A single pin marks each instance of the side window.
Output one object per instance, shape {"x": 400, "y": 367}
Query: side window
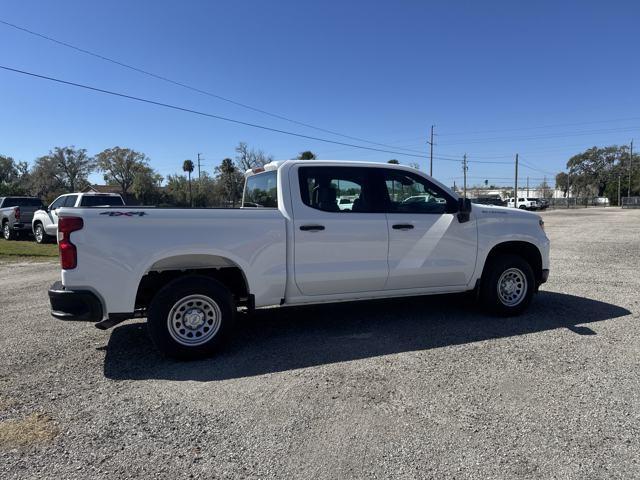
{"x": 339, "y": 189}
{"x": 261, "y": 190}
{"x": 57, "y": 203}
{"x": 409, "y": 193}
{"x": 70, "y": 201}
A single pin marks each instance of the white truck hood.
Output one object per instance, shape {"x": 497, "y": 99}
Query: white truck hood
{"x": 491, "y": 210}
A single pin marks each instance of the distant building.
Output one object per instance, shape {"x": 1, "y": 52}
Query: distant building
{"x": 129, "y": 198}
{"x": 102, "y": 189}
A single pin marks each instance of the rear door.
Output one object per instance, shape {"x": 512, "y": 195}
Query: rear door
{"x": 340, "y": 232}
{"x": 428, "y": 246}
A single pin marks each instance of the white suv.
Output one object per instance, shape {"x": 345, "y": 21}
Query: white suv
{"x": 523, "y": 203}
{"x": 45, "y": 222}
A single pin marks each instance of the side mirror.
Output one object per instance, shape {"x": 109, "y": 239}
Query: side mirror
{"x": 464, "y": 210}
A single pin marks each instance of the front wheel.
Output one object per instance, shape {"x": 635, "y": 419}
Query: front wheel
{"x": 39, "y": 234}
{"x": 190, "y": 317}
{"x": 507, "y": 285}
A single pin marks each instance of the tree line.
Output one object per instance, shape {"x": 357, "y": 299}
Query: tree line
{"x": 600, "y": 171}
{"x": 67, "y": 169}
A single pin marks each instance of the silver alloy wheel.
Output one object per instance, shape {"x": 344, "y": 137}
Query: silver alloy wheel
{"x": 6, "y": 232}
{"x": 194, "y": 320}
{"x": 512, "y": 287}
{"x": 39, "y": 234}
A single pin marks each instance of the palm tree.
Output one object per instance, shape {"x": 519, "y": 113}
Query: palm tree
{"x": 187, "y": 166}
{"x": 307, "y": 155}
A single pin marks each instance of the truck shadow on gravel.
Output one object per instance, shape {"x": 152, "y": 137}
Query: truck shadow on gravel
{"x": 277, "y": 340}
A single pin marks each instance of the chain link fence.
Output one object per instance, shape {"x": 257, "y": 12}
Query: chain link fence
{"x": 578, "y": 202}
{"x": 630, "y": 202}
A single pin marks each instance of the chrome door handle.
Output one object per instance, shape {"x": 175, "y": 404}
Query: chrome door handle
{"x": 402, "y": 226}
{"x": 311, "y": 228}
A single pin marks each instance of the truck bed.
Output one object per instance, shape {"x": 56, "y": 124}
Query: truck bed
{"x": 128, "y": 242}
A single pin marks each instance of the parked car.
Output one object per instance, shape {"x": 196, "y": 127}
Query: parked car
{"x": 497, "y": 201}
{"x": 45, "y": 221}
{"x": 542, "y": 203}
{"x": 186, "y": 271}
{"x": 345, "y": 203}
{"x": 16, "y": 214}
{"x": 523, "y": 203}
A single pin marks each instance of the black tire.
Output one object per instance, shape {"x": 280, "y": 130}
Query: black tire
{"x": 517, "y": 272}
{"x": 7, "y": 232}
{"x": 180, "y": 298}
{"x": 522, "y": 207}
{"x": 43, "y": 238}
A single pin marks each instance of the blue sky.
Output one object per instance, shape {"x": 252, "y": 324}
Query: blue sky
{"x": 546, "y": 79}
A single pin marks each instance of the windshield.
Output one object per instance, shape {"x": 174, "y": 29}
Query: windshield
{"x": 101, "y": 201}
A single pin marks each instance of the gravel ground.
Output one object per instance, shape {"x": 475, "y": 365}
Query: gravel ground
{"x": 417, "y": 388}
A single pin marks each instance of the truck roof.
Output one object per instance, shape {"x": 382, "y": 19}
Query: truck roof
{"x": 92, "y": 194}
{"x": 276, "y": 164}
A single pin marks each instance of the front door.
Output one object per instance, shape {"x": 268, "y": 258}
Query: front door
{"x": 428, "y": 246}
{"x": 341, "y": 237}
{"x": 52, "y": 227}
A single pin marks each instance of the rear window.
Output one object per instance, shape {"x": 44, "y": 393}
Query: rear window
{"x": 21, "y": 202}
{"x": 101, "y": 201}
{"x": 261, "y": 190}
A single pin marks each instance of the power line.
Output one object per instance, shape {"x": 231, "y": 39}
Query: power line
{"x": 553, "y": 135}
{"x": 535, "y": 168}
{"x": 542, "y": 126}
{"x": 205, "y": 114}
{"x": 195, "y": 89}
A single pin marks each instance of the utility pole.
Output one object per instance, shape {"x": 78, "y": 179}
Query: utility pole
{"x": 619, "y": 180}
{"x": 464, "y": 170}
{"x": 198, "y": 166}
{"x": 430, "y": 142}
{"x": 630, "y": 163}
{"x": 527, "y": 186}
{"x": 568, "y": 187}
{"x": 515, "y": 190}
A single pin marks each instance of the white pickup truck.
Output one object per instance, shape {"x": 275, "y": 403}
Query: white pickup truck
{"x": 187, "y": 270}
{"x": 45, "y": 221}
{"x": 523, "y": 203}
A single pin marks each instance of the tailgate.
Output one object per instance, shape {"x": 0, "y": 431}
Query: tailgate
{"x": 26, "y": 214}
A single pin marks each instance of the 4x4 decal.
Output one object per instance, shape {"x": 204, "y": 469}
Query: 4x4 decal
{"x": 124, "y": 214}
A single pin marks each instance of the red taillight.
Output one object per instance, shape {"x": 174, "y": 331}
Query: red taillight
{"x": 68, "y": 252}
{"x": 16, "y": 213}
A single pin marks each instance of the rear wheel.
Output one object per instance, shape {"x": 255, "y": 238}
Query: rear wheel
{"x": 7, "y": 233}
{"x": 507, "y": 285}
{"x": 190, "y": 317}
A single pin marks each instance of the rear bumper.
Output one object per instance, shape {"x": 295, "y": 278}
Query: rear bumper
{"x": 21, "y": 226}
{"x": 75, "y": 305}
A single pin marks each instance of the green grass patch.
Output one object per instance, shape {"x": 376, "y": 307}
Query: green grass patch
{"x": 25, "y": 248}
